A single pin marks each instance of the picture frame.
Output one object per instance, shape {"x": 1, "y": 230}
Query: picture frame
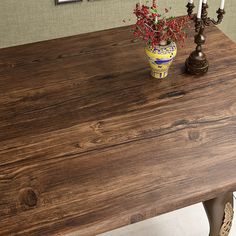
{"x": 58, "y": 2}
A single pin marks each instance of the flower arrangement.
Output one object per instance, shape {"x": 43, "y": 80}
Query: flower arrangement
{"x": 157, "y": 29}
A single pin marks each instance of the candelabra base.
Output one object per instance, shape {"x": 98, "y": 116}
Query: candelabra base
{"x": 197, "y": 63}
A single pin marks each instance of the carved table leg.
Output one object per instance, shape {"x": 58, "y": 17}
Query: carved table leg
{"x": 220, "y": 214}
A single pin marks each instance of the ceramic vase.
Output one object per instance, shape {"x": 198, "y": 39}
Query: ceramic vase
{"x": 160, "y": 59}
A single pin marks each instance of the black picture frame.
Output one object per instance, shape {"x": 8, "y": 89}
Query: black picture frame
{"x": 59, "y": 2}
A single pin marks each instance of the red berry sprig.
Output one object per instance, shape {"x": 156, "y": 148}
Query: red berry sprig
{"x": 154, "y": 28}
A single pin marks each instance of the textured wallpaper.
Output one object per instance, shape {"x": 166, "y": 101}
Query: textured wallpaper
{"x": 25, "y": 21}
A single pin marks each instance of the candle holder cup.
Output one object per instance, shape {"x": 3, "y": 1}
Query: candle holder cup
{"x": 197, "y": 62}
{"x": 190, "y": 7}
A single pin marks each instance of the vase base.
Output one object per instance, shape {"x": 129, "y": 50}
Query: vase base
{"x": 159, "y": 75}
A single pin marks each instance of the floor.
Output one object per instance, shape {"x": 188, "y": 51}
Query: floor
{"x": 189, "y": 221}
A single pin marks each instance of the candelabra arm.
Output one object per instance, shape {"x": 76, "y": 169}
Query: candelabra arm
{"x": 220, "y": 17}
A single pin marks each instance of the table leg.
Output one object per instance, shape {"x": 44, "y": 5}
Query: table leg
{"x": 220, "y": 214}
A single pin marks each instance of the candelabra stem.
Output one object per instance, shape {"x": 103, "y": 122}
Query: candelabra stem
{"x": 197, "y": 62}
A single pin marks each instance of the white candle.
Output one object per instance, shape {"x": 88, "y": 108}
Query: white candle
{"x": 199, "y": 13}
{"x": 190, "y": 1}
{"x": 222, "y": 4}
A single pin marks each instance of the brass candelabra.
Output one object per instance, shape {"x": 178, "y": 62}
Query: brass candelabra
{"x": 197, "y": 62}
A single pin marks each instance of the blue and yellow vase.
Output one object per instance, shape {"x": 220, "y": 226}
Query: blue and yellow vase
{"x": 160, "y": 59}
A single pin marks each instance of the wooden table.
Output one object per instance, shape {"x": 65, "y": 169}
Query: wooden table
{"x": 89, "y": 142}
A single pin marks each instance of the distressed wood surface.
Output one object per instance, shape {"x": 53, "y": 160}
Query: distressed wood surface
{"x": 89, "y": 142}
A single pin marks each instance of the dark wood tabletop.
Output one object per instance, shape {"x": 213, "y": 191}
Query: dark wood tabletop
{"x": 90, "y": 142}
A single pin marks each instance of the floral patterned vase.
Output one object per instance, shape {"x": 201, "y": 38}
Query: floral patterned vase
{"x": 160, "y": 58}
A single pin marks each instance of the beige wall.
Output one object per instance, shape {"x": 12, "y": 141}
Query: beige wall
{"x": 25, "y": 21}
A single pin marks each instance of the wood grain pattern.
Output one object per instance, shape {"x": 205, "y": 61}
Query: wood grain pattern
{"x": 89, "y": 142}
